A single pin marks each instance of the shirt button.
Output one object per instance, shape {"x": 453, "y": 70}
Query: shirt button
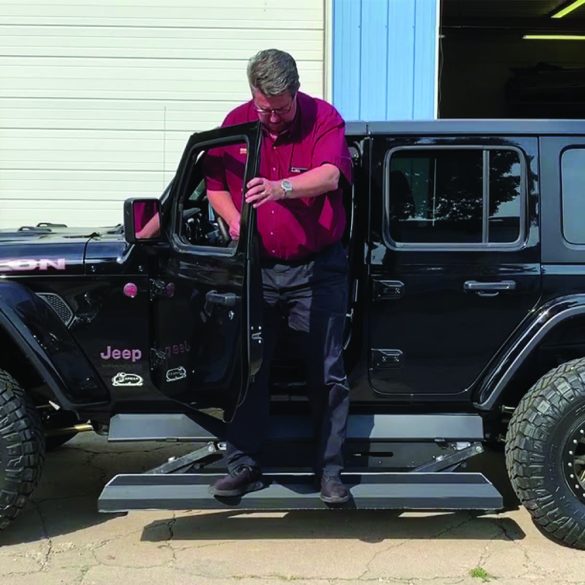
{"x": 274, "y": 251}
{"x": 271, "y": 233}
{"x": 273, "y": 212}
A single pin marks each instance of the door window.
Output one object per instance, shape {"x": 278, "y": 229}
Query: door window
{"x": 573, "y": 194}
{"x": 198, "y": 223}
{"x": 461, "y": 196}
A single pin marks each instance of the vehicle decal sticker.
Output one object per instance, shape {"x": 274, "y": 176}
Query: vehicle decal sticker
{"x": 27, "y": 264}
{"x": 125, "y": 379}
{"x": 177, "y": 348}
{"x": 129, "y": 354}
{"x": 175, "y": 374}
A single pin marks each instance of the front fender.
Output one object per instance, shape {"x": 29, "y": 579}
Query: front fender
{"x": 511, "y": 356}
{"x": 46, "y": 342}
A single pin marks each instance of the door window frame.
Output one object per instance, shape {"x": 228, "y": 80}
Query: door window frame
{"x": 565, "y": 200}
{"x": 177, "y": 243}
{"x": 465, "y": 246}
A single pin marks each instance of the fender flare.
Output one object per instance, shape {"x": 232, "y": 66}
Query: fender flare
{"x": 47, "y": 343}
{"x": 512, "y": 355}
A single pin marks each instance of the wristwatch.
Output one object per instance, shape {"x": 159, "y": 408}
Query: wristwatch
{"x": 286, "y": 187}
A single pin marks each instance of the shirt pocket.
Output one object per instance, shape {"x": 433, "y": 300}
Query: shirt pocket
{"x": 300, "y": 163}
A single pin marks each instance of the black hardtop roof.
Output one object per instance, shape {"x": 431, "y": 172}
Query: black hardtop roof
{"x": 467, "y": 126}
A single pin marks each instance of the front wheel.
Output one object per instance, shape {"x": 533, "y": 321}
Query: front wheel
{"x": 545, "y": 453}
{"x": 22, "y": 448}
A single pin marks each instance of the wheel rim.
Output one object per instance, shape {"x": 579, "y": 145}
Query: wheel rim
{"x": 574, "y": 461}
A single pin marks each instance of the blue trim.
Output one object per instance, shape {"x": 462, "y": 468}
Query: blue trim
{"x": 384, "y": 59}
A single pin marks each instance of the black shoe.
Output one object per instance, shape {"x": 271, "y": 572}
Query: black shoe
{"x": 333, "y": 491}
{"x": 240, "y": 481}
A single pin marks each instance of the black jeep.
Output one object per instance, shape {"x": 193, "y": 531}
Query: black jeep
{"x": 465, "y": 329}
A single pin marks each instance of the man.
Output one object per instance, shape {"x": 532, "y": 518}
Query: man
{"x": 300, "y": 221}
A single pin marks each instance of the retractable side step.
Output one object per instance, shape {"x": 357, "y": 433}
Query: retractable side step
{"x": 398, "y": 491}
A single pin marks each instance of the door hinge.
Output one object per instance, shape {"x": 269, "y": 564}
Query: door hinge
{"x": 256, "y": 335}
{"x": 386, "y": 358}
{"x": 387, "y": 290}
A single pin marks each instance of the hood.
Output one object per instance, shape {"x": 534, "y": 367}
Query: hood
{"x": 47, "y": 248}
{"x": 51, "y": 232}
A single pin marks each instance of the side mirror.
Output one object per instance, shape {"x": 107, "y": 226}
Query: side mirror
{"x": 142, "y": 220}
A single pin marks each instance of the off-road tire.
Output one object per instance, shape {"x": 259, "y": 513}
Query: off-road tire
{"x": 537, "y": 444}
{"x": 22, "y": 448}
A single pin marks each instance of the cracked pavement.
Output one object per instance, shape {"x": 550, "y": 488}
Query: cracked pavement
{"x": 61, "y": 539}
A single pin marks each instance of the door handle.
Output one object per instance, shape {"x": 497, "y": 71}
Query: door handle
{"x": 489, "y": 289}
{"x": 224, "y": 299}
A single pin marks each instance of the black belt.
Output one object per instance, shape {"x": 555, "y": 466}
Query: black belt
{"x": 270, "y": 262}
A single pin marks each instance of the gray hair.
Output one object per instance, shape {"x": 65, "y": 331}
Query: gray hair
{"x": 273, "y": 72}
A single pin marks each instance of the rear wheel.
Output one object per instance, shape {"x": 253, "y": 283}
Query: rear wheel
{"x": 22, "y": 448}
{"x": 545, "y": 453}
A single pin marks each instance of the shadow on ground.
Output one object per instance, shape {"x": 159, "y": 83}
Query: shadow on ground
{"x": 66, "y": 502}
{"x": 365, "y": 525}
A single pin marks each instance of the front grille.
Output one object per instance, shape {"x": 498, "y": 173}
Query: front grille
{"x": 58, "y": 305}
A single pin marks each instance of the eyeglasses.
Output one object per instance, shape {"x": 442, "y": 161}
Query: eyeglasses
{"x": 276, "y": 111}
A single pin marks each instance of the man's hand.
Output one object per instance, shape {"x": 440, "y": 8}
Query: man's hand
{"x": 223, "y": 205}
{"x": 234, "y": 228}
{"x": 262, "y": 190}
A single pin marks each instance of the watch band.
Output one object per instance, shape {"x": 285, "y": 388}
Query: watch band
{"x": 286, "y": 187}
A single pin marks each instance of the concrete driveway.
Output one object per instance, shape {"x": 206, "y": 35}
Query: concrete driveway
{"x": 60, "y": 538}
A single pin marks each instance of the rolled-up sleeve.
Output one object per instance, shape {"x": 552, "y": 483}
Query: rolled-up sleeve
{"x": 330, "y": 145}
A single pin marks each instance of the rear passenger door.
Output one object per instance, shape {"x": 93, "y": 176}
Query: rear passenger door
{"x": 454, "y": 258}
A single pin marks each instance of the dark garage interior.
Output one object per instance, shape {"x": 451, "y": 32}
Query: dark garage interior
{"x": 491, "y": 66}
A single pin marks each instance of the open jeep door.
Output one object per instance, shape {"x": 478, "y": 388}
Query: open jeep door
{"x": 206, "y": 299}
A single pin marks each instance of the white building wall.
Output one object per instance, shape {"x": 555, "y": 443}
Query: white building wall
{"x": 97, "y": 100}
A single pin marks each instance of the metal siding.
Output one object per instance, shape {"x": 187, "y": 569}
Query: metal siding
{"x": 425, "y": 67}
{"x": 97, "y": 100}
{"x": 401, "y": 51}
{"x": 374, "y": 32}
{"x": 347, "y": 57}
{"x": 392, "y": 62}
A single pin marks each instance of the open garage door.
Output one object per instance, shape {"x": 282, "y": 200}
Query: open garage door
{"x": 512, "y": 59}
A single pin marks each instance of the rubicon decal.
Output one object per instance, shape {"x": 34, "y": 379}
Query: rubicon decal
{"x": 124, "y": 379}
{"x": 127, "y": 354}
{"x": 30, "y": 264}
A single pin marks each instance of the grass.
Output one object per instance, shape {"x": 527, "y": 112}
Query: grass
{"x": 482, "y": 574}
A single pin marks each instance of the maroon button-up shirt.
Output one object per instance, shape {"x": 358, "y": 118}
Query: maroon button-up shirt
{"x": 290, "y": 229}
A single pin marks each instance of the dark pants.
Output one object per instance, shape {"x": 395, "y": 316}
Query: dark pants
{"x": 312, "y": 298}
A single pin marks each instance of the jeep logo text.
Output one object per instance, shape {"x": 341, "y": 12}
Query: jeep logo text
{"x": 111, "y": 353}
